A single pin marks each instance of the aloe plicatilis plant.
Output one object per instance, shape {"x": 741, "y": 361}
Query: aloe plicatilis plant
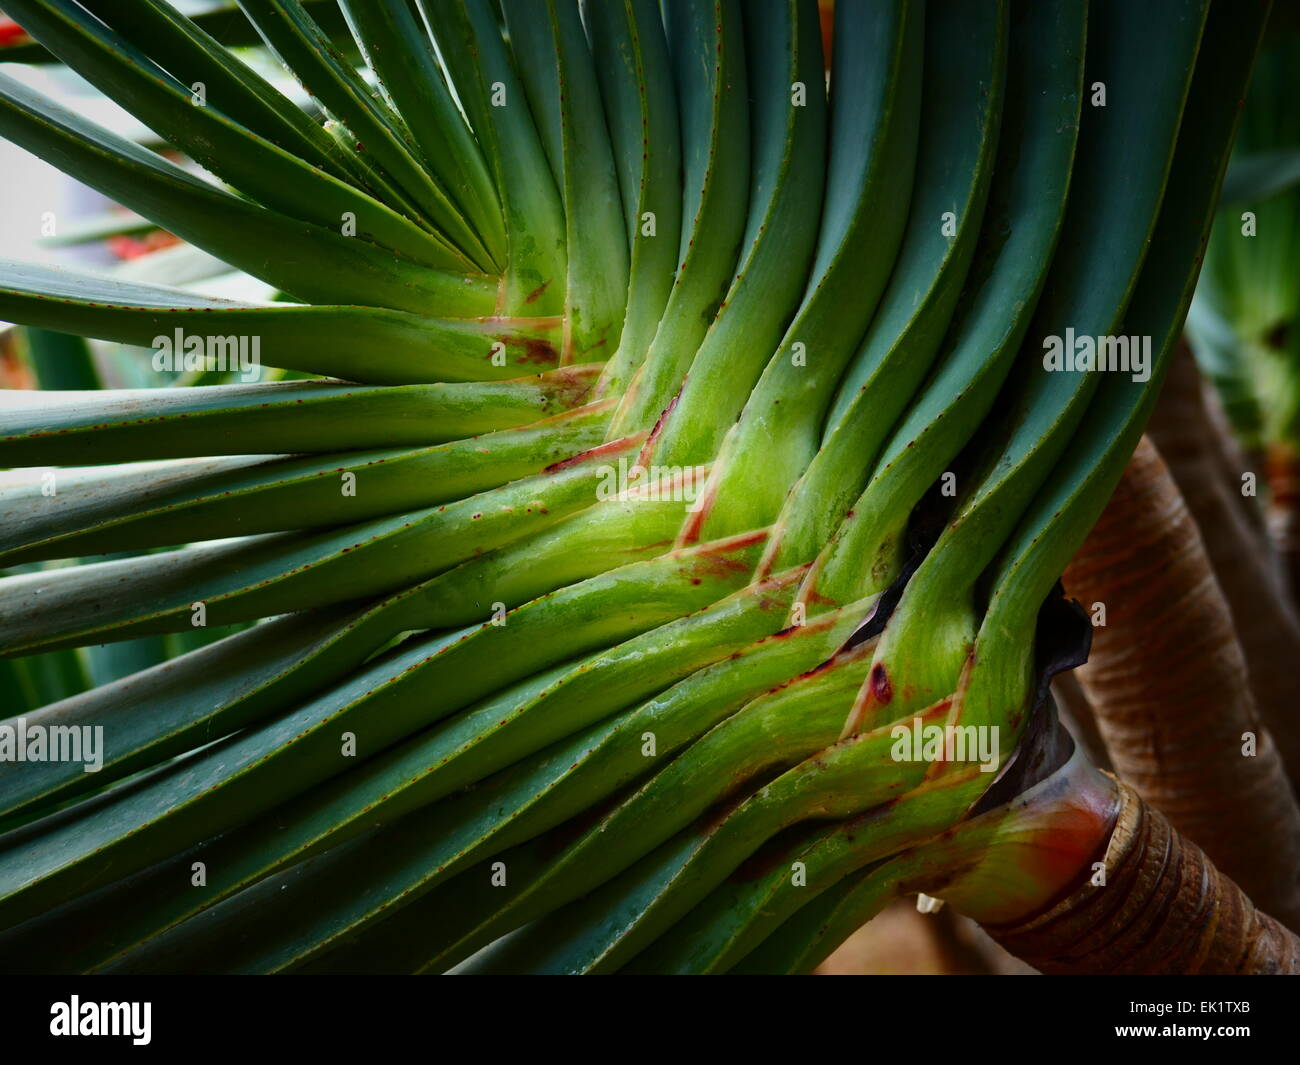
{"x": 670, "y": 475}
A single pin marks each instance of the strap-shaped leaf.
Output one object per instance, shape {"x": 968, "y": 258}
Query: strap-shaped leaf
{"x": 1024, "y": 217}
{"x": 275, "y": 418}
{"x": 354, "y": 343}
{"x": 807, "y": 937}
{"x": 1065, "y": 508}
{"x": 316, "y": 264}
{"x": 262, "y": 576}
{"x": 555, "y": 65}
{"x": 190, "y": 700}
{"x": 231, "y": 32}
{"x": 615, "y": 923}
{"x": 624, "y": 859}
{"x": 399, "y": 50}
{"x": 258, "y": 167}
{"x": 879, "y": 58}
{"x": 491, "y": 734}
{"x": 706, "y": 46}
{"x": 1048, "y": 536}
{"x": 304, "y": 48}
{"x": 128, "y": 508}
{"x": 740, "y": 913}
{"x": 187, "y": 48}
{"x": 787, "y": 179}
{"x": 961, "y": 119}
{"x": 230, "y": 783}
{"x": 925, "y": 646}
{"x": 631, "y": 57}
{"x": 531, "y": 798}
{"x": 469, "y": 41}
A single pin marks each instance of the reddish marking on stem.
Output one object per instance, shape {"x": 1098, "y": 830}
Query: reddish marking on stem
{"x": 653, "y": 438}
{"x": 537, "y": 350}
{"x": 613, "y": 447}
{"x": 719, "y": 565}
{"x": 880, "y": 687}
{"x": 693, "y": 527}
{"x": 731, "y": 544}
{"x": 536, "y": 294}
{"x": 569, "y": 385}
{"x": 812, "y": 597}
{"x": 575, "y": 413}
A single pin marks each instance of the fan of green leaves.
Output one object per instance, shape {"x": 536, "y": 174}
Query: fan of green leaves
{"x": 671, "y": 423}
